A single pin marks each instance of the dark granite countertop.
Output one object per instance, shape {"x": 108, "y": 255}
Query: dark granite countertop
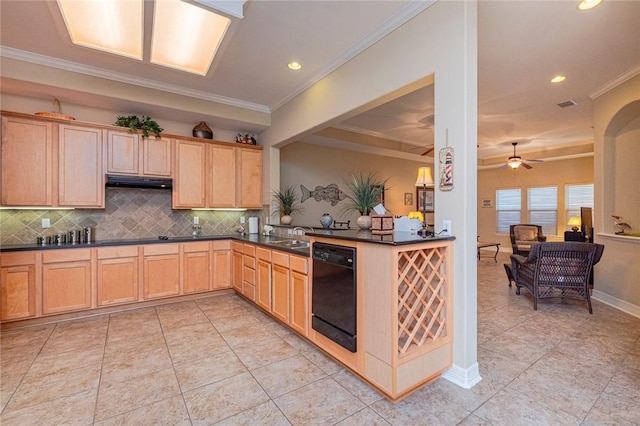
{"x": 397, "y": 238}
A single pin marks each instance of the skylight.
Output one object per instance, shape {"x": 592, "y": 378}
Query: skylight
{"x": 184, "y": 36}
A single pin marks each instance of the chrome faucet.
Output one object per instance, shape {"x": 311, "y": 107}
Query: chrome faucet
{"x": 300, "y": 228}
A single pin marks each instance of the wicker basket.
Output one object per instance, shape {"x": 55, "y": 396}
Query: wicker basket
{"x": 57, "y": 115}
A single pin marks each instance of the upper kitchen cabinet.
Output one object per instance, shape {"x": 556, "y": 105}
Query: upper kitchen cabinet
{"x": 80, "y": 175}
{"x": 219, "y": 175}
{"x": 129, "y": 154}
{"x": 27, "y": 162}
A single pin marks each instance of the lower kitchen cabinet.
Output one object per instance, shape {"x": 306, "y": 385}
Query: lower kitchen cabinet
{"x": 236, "y": 261}
{"x": 196, "y": 267}
{"x": 66, "y": 280}
{"x": 249, "y": 272}
{"x": 263, "y": 278}
{"x": 18, "y": 285}
{"x": 280, "y": 286}
{"x": 118, "y": 275}
{"x": 299, "y": 300}
{"x": 161, "y": 270}
{"x": 221, "y": 264}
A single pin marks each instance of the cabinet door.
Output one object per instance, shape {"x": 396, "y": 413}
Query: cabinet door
{"x": 80, "y": 176}
{"x": 118, "y": 272}
{"x": 189, "y": 190}
{"x": 156, "y": 158}
{"x": 222, "y": 180}
{"x": 221, "y": 269}
{"x": 263, "y": 298}
{"x": 17, "y": 285}
{"x": 280, "y": 293}
{"x": 161, "y": 270}
{"x": 237, "y": 266}
{"x": 299, "y": 303}
{"x": 122, "y": 152}
{"x": 249, "y": 164}
{"x": 27, "y": 162}
{"x": 66, "y": 280}
{"x": 196, "y": 272}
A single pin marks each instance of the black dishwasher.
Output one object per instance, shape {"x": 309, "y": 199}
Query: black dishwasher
{"x": 333, "y": 295}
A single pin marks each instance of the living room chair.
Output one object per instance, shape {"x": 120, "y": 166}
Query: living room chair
{"x": 558, "y": 269}
{"x": 523, "y": 235}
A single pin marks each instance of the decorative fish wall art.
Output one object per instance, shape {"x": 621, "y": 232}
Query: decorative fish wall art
{"x": 330, "y": 193}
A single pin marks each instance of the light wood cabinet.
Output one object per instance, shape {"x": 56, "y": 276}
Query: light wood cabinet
{"x": 280, "y": 286}
{"x": 222, "y": 176}
{"x": 161, "y": 270}
{"x": 27, "y": 162}
{"x": 66, "y": 280}
{"x": 18, "y": 285}
{"x": 221, "y": 264}
{"x": 80, "y": 175}
{"x": 130, "y": 154}
{"x": 249, "y": 272}
{"x": 237, "y": 260}
{"x": 118, "y": 275}
{"x": 196, "y": 267}
{"x": 249, "y": 164}
{"x": 299, "y": 300}
{"x": 190, "y": 175}
{"x": 263, "y": 278}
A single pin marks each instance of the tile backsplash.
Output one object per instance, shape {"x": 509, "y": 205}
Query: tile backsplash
{"x": 128, "y": 214}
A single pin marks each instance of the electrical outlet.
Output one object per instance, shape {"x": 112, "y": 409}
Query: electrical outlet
{"x": 196, "y": 220}
{"x": 446, "y": 224}
{"x": 242, "y": 219}
{"x": 46, "y": 223}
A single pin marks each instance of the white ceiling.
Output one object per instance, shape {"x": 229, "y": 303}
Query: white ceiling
{"x": 522, "y": 44}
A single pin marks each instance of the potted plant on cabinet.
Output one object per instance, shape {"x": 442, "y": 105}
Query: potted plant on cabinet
{"x": 286, "y": 200}
{"x": 363, "y": 192}
{"x": 144, "y": 124}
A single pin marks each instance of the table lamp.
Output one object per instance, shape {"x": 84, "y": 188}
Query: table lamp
{"x": 575, "y": 223}
{"x": 425, "y": 178}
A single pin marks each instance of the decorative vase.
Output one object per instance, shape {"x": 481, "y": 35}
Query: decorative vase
{"x": 286, "y": 220}
{"x": 202, "y": 131}
{"x": 364, "y": 222}
{"x": 326, "y": 220}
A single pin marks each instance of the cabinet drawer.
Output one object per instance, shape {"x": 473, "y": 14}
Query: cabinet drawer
{"x": 236, "y": 246}
{"x": 18, "y": 258}
{"x": 72, "y": 255}
{"x": 279, "y": 258}
{"x": 159, "y": 249}
{"x": 249, "y": 261}
{"x": 197, "y": 246}
{"x": 221, "y": 245}
{"x": 249, "y": 249}
{"x": 249, "y": 291}
{"x": 299, "y": 264}
{"x": 263, "y": 254}
{"x": 249, "y": 275}
{"x": 117, "y": 252}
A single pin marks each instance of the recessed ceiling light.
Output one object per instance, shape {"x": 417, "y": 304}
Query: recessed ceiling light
{"x": 294, "y": 65}
{"x": 588, "y": 4}
{"x": 558, "y": 78}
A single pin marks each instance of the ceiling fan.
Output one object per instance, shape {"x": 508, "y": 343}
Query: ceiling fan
{"x": 516, "y": 161}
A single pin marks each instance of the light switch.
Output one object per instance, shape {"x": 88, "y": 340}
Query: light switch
{"x": 46, "y": 223}
{"x": 196, "y": 220}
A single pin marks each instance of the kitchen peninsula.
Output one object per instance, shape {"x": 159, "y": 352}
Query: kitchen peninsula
{"x": 404, "y": 316}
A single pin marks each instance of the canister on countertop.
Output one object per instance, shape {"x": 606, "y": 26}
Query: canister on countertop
{"x": 253, "y": 225}
{"x": 89, "y": 235}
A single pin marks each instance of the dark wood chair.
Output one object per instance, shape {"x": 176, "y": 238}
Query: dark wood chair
{"x": 559, "y": 269}
{"x": 523, "y": 235}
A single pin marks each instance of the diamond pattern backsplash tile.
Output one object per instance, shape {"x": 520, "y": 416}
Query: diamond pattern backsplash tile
{"x": 128, "y": 214}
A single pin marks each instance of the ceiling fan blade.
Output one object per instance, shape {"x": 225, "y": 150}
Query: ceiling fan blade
{"x": 526, "y": 166}
{"x": 534, "y": 161}
{"x": 503, "y": 166}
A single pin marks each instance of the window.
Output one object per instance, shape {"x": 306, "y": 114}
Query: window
{"x": 543, "y": 208}
{"x": 507, "y": 208}
{"x": 576, "y": 196}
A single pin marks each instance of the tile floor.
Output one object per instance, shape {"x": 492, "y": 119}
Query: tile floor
{"x": 221, "y": 361}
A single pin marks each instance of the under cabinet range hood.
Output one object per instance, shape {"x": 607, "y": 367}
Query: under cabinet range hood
{"x": 138, "y": 182}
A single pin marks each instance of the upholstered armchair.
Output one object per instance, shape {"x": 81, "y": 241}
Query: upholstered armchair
{"x": 523, "y": 235}
{"x": 556, "y": 270}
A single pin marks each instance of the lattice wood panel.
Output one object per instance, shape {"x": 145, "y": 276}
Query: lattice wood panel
{"x": 422, "y": 300}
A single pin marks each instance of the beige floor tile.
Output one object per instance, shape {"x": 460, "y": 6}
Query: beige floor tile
{"x": 25, "y": 336}
{"x": 208, "y": 370}
{"x": 194, "y": 342}
{"x": 613, "y": 409}
{"x": 53, "y": 362}
{"x": 220, "y": 400}
{"x": 289, "y": 374}
{"x": 10, "y": 377}
{"x": 473, "y": 420}
{"x": 133, "y": 324}
{"x": 180, "y": 314}
{"x": 265, "y": 414}
{"x": 363, "y": 417}
{"x": 170, "y": 411}
{"x": 135, "y": 392}
{"x": 247, "y": 334}
{"x": 357, "y": 387}
{"x": 323, "y": 362}
{"x": 263, "y": 352}
{"x": 74, "y": 409}
{"x": 319, "y": 403}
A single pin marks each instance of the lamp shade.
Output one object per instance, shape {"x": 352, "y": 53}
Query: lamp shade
{"x": 425, "y": 178}
{"x": 575, "y": 223}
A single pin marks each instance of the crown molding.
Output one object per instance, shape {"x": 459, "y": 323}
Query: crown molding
{"x": 615, "y": 82}
{"x": 47, "y": 61}
{"x": 391, "y": 24}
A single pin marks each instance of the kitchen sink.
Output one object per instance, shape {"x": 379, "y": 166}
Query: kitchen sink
{"x": 292, "y": 244}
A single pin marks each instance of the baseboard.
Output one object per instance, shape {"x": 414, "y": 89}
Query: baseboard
{"x": 463, "y": 377}
{"x": 620, "y": 304}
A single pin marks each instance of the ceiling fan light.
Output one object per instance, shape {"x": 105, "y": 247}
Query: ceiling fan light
{"x": 514, "y": 163}
{"x": 588, "y": 4}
